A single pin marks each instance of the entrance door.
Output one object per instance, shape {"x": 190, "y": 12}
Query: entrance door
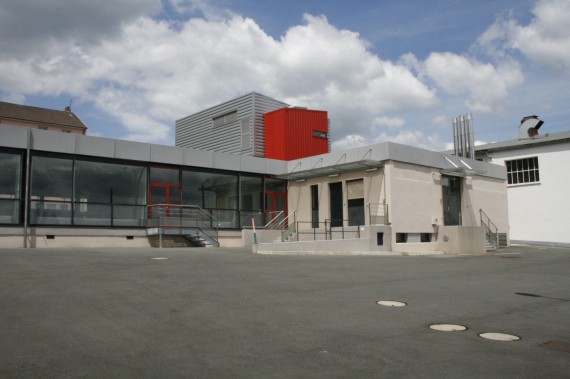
{"x": 337, "y": 215}
{"x": 164, "y": 194}
{"x": 164, "y": 189}
{"x": 275, "y": 202}
{"x": 451, "y": 187}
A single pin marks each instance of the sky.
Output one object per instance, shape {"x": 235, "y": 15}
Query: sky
{"x": 384, "y": 70}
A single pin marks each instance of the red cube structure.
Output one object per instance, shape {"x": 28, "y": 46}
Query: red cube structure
{"x": 293, "y": 133}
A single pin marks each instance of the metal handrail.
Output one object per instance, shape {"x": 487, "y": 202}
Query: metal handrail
{"x": 330, "y": 227}
{"x": 491, "y": 230}
{"x": 373, "y": 219}
{"x": 172, "y": 216}
{"x": 271, "y": 224}
{"x": 285, "y": 225}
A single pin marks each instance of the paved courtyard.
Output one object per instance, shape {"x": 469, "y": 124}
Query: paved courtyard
{"x": 215, "y": 313}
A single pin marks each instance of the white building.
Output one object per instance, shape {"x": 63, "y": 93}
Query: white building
{"x": 538, "y": 179}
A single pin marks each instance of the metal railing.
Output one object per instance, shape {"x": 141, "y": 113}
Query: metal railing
{"x": 491, "y": 230}
{"x": 287, "y": 227}
{"x": 174, "y": 219}
{"x": 275, "y": 219}
{"x": 378, "y": 214}
{"x": 328, "y": 230}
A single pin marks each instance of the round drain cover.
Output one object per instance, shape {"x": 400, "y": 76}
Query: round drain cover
{"x": 390, "y": 303}
{"x": 499, "y": 336}
{"x": 159, "y": 258}
{"x": 448, "y": 327}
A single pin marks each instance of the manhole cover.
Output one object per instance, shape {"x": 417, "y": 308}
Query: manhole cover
{"x": 159, "y": 258}
{"x": 499, "y": 337}
{"x": 390, "y": 303}
{"x": 448, "y": 327}
{"x": 510, "y": 256}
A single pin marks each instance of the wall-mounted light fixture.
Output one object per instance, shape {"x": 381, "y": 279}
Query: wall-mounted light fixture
{"x": 300, "y": 180}
{"x": 332, "y": 175}
{"x": 371, "y": 169}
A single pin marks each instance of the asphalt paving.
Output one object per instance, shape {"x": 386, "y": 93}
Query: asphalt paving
{"x": 228, "y": 313}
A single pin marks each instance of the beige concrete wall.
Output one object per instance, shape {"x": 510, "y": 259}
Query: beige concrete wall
{"x": 461, "y": 240}
{"x": 414, "y": 198}
{"x": 487, "y": 194}
{"x": 62, "y": 237}
{"x": 299, "y": 194}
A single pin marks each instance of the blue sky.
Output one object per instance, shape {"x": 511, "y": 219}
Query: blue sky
{"x": 384, "y": 70}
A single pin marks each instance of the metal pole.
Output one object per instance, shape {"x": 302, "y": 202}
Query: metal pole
{"x": 455, "y": 137}
{"x": 471, "y": 134}
{"x": 26, "y": 203}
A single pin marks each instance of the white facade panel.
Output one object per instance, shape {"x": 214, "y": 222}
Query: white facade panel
{"x": 539, "y": 212}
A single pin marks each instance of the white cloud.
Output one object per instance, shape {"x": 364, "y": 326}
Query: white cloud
{"x": 154, "y": 72}
{"x": 406, "y": 137}
{"x": 486, "y": 86}
{"x": 545, "y": 40}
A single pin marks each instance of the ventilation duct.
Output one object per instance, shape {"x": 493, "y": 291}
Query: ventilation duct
{"x": 463, "y": 136}
{"x": 529, "y": 127}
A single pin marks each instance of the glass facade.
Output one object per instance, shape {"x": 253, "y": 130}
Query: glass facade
{"x": 109, "y": 194}
{"x": 215, "y": 192}
{"x": 81, "y": 191}
{"x": 10, "y": 187}
{"x": 51, "y": 190}
{"x": 251, "y": 200}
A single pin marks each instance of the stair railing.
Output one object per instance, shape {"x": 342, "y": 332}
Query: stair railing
{"x": 288, "y": 225}
{"x": 378, "y": 214}
{"x": 491, "y": 230}
{"x": 175, "y": 218}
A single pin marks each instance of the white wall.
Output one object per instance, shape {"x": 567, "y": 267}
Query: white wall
{"x": 540, "y": 212}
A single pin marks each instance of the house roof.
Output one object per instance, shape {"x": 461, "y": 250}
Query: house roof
{"x": 543, "y": 139}
{"x": 40, "y": 115}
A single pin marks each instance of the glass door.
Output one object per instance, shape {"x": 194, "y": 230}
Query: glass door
{"x": 451, "y": 187}
{"x": 275, "y": 202}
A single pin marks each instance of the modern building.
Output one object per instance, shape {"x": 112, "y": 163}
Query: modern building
{"x": 74, "y": 190}
{"x": 537, "y": 181}
{"x": 16, "y": 115}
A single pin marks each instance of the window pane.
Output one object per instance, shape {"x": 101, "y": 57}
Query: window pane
{"x": 251, "y": 192}
{"x": 275, "y": 185}
{"x": 10, "y": 169}
{"x": 92, "y": 214}
{"x": 209, "y": 189}
{"x": 51, "y": 178}
{"x": 164, "y": 175}
{"x": 9, "y": 211}
{"x": 510, "y": 178}
{"x": 129, "y": 215}
{"x": 97, "y": 182}
{"x": 50, "y": 213}
{"x": 509, "y": 168}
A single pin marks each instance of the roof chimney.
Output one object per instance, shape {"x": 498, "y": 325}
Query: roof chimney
{"x": 529, "y": 127}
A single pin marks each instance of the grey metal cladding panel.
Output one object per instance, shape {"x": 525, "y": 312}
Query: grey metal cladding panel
{"x": 13, "y": 137}
{"x": 225, "y": 161}
{"x": 136, "y": 151}
{"x": 46, "y": 140}
{"x": 409, "y": 154}
{"x": 252, "y": 164}
{"x": 198, "y": 158}
{"x": 275, "y": 167}
{"x": 166, "y": 154}
{"x": 95, "y": 146}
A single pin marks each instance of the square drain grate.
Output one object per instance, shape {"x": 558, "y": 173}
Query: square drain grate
{"x": 557, "y": 345}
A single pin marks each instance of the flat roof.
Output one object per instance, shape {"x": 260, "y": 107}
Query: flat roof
{"x": 543, "y": 139}
{"x": 336, "y": 162}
